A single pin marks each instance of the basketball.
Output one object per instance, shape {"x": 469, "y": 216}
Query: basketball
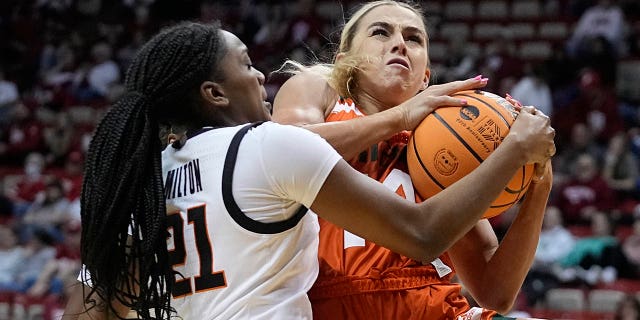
{"x": 453, "y": 141}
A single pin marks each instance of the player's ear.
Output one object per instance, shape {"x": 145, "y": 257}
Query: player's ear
{"x": 214, "y": 93}
{"x": 427, "y": 76}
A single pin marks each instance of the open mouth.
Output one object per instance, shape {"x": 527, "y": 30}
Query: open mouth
{"x": 398, "y": 61}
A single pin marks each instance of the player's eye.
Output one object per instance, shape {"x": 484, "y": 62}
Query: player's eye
{"x": 380, "y": 32}
{"x": 415, "y": 38}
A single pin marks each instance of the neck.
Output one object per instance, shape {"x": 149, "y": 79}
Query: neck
{"x": 369, "y": 104}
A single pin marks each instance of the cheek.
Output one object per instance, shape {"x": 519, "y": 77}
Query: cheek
{"x": 420, "y": 59}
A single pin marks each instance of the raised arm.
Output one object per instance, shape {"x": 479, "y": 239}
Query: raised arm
{"x": 306, "y": 99}
{"x": 369, "y": 210}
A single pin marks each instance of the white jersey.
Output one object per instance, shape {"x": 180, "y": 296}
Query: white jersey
{"x": 241, "y": 241}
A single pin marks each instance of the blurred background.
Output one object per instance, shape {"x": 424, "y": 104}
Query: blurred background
{"x": 62, "y": 63}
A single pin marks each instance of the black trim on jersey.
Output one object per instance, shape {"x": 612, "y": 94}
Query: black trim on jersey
{"x": 230, "y": 203}
{"x": 193, "y": 133}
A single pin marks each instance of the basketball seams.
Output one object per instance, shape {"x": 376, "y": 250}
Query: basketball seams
{"x": 458, "y": 137}
{"x": 424, "y": 167}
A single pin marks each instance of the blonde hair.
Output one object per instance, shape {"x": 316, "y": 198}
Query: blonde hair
{"x": 343, "y": 73}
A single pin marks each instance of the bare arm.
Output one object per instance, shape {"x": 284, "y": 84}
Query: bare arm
{"x": 494, "y": 273}
{"x": 306, "y": 98}
{"x": 365, "y": 207}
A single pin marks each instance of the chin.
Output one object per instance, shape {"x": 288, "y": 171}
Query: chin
{"x": 401, "y": 91}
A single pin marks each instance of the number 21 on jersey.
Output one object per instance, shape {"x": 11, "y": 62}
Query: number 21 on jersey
{"x": 207, "y": 279}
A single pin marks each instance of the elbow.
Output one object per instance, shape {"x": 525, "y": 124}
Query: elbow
{"x": 426, "y": 255}
{"x": 501, "y": 304}
{"x": 428, "y": 248}
{"x": 503, "y": 308}
{"x": 430, "y": 235}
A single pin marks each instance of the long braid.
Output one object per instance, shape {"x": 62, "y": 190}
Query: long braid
{"x": 123, "y": 210}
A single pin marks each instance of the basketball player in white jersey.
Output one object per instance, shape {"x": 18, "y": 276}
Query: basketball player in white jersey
{"x": 218, "y": 227}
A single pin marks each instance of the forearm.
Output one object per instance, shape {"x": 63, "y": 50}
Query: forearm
{"x": 508, "y": 266}
{"x": 351, "y": 137}
{"x": 422, "y": 231}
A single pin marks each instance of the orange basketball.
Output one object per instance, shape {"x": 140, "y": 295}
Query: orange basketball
{"x": 452, "y": 141}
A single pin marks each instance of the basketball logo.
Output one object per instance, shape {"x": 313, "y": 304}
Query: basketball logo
{"x": 445, "y": 162}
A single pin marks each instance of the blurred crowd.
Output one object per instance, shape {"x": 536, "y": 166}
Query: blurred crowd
{"x": 62, "y": 62}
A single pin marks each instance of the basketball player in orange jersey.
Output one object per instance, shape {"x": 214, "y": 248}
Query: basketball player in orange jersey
{"x": 216, "y": 225}
{"x": 362, "y": 104}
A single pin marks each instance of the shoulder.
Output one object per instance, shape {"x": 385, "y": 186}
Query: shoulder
{"x": 309, "y": 87}
{"x": 287, "y": 139}
{"x": 273, "y": 132}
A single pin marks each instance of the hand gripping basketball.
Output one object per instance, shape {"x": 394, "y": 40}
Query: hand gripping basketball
{"x": 532, "y": 129}
{"x": 451, "y": 142}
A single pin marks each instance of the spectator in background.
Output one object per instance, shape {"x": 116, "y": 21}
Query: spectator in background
{"x": 596, "y": 105}
{"x": 581, "y": 141}
{"x": 38, "y": 251}
{"x": 30, "y": 184}
{"x": 631, "y": 247}
{"x": 59, "y": 74}
{"x": 59, "y": 139}
{"x": 49, "y": 213}
{"x": 305, "y": 26}
{"x": 8, "y": 98}
{"x": 585, "y": 192}
{"x": 634, "y": 140}
{"x": 71, "y": 176}
{"x": 599, "y": 257}
{"x": 604, "y": 19}
{"x": 22, "y": 136}
{"x": 555, "y": 240}
{"x": 6, "y": 207}
{"x": 62, "y": 270}
{"x": 501, "y": 65}
{"x": 460, "y": 62}
{"x": 620, "y": 171}
{"x": 533, "y": 90}
{"x": 126, "y": 53}
{"x": 95, "y": 82}
{"x": 11, "y": 256}
{"x": 599, "y": 56}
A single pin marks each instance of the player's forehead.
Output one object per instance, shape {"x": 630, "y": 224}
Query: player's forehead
{"x": 234, "y": 45}
{"x": 394, "y": 16}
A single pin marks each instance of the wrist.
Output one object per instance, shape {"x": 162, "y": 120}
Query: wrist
{"x": 396, "y": 119}
{"x": 515, "y": 148}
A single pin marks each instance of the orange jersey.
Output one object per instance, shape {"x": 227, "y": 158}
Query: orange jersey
{"x": 356, "y": 274}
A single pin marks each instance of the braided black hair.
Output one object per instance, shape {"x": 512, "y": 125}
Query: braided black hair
{"x": 123, "y": 210}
